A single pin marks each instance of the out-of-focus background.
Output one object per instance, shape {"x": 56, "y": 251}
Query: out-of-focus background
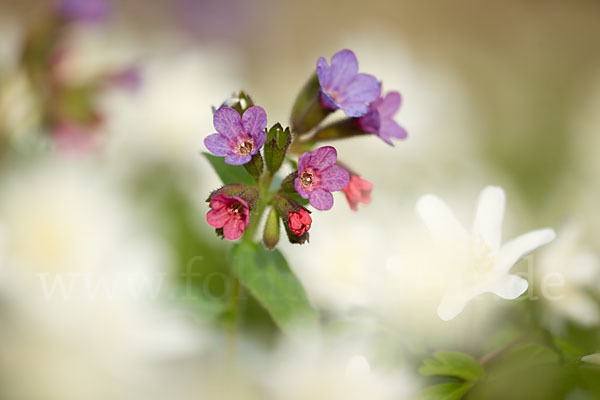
{"x": 103, "y": 109}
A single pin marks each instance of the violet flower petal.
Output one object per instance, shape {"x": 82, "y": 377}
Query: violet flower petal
{"x": 344, "y": 66}
{"x": 218, "y": 144}
{"x": 303, "y": 161}
{"x": 390, "y": 129}
{"x": 254, "y": 121}
{"x": 322, "y": 71}
{"x": 322, "y": 157}
{"x": 334, "y": 178}
{"x": 234, "y": 159}
{"x": 228, "y": 122}
{"x": 321, "y": 199}
{"x": 362, "y": 88}
{"x": 389, "y": 105}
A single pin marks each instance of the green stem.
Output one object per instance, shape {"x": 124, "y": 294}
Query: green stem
{"x": 495, "y": 354}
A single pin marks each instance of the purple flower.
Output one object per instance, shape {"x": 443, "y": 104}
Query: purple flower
{"x": 318, "y": 176}
{"x": 238, "y": 138}
{"x": 380, "y": 118}
{"x": 343, "y": 87}
{"x": 89, "y": 11}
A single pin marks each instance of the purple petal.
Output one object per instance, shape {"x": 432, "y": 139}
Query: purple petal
{"x": 370, "y": 122}
{"x": 321, "y": 199}
{"x": 389, "y": 105}
{"x": 390, "y": 129}
{"x": 322, "y": 71}
{"x": 363, "y": 88}
{"x": 300, "y": 189}
{"x": 259, "y": 141}
{"x": 218, "y": 144}
{"x": 344, "y": 66}
{"x": 355, "y": 109}
{"x": 228, "y": 122}
{"x": 334, "y": 178}
{"x": 327, "y": 101}
{"x": 234, "y": 159}
{"x": 254, "y": 120}
{"x": 303, "y": 161}
{"x": 323, "y": 157}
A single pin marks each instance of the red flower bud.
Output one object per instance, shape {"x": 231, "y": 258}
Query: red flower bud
{"x": 299, "y": 222}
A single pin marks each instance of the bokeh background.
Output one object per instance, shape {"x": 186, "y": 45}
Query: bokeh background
{"x": 101, "y": 127}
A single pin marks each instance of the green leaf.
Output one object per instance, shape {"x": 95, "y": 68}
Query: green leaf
{"x": 445, "y": 391}
{"x": 522, "y": 359}
{"x": 268, "y": 277}
{"x": 452, "y": 363}
{"x": 229, "y": 173}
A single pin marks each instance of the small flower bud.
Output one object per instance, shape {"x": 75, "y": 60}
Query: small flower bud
{"x": 240, "y": 102}
{"x": 308, "y": 110}
{"x": 271, "y": 232}
{"x": 296, "y": 219}
{"x": 278, "y": 141}
{"x": 247, "y": 193}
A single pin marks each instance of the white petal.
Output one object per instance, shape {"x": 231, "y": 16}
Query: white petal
{"x": 489, "y": 215}
{"x": 592, "y": 359}
{"x": 514, "y": 250}
{"x": 579, "y": 308}
{"x": 510, "y": 287}
{"x": 451, "y": 306}
{"x": 439, "y": 219}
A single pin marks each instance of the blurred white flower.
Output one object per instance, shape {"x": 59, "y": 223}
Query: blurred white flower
{"x": 81, "y": 286}
{"x": 326, "y": 369}
{"x": 592, "y": 358}
{"x": 479, "y": 262}
{"x": 572, "y": 273}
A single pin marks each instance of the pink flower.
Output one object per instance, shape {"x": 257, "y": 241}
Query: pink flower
{"x": 318, "y": 176}
{"x": 358, "y": 191}
{"x": 299, "y": 222}
{"x": 230, "y": 213}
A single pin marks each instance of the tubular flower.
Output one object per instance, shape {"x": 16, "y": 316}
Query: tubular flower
{"x": 318, "y": 176}
{"x": 379, "y": 119}
{"x": 343, "y": 87}
{"x": 358, "y": 190}
{"x": 230, "y": 213}
{"x": 237, "y": 138}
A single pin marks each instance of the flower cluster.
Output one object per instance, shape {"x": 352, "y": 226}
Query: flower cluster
{"x": 243, "y": 139}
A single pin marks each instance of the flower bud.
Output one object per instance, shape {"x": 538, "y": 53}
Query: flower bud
{"x": 296, "y": 219}
{"x": 271, "y": 232}
{"x": 308, "y": 111}
{"x": 247, "y": 193}
{"x": 278, "y": 141}
{"x": 255, "y": 166}
{"x": 240, "y": 102}
{"x": 287, "y": 185}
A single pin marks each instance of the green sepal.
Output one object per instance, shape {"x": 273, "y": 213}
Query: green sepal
{"x": 255, "y": 166}
{"x": 271, "y": 232}
{"x": 276, "y": 146}
{"x": 308, "y": 111}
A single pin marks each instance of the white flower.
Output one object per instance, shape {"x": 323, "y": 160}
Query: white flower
{"x": 592, "y": 359}
{"x": 567, "y": 274}
{"x": 478, "y": 259}
{"x": 324, "y": 368}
